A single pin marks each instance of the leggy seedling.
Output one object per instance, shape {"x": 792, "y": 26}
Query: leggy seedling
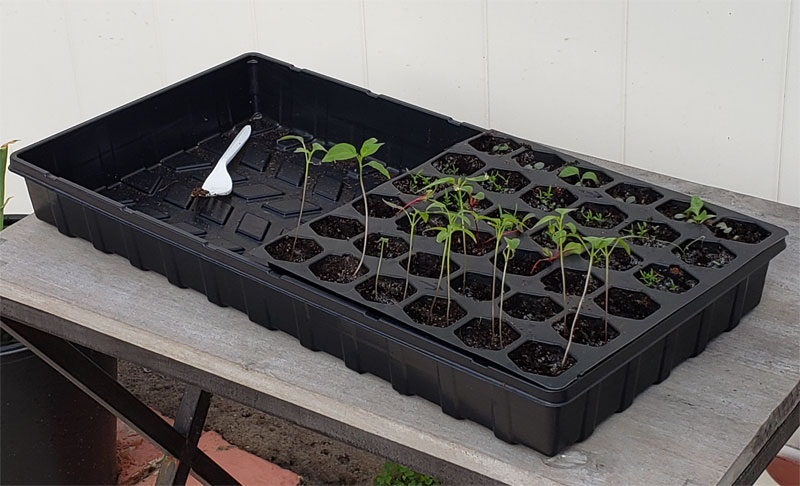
{"x": 571, "y": 170}
{"x": 414, "y": 216}
{"x": 695, "y": 212}
{"x": 346, "y": 151}
{"x": 508, "y": 254}
{"x": 383, "y": 242}
{"x": 606, "y": 249}
{"x": 315, "y": 147}
{"x": 445, "y": 237}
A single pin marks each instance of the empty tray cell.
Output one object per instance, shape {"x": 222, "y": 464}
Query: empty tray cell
{"x": 291, "y": 173}
{"x": 215, "y": 210}
{"x": 390, "y": 290}
{"x": 338, "y": 268}
{"x": 575, "y": 282}
{"x": 494, "y": 145}
{"x": 144, "y": 180}
{"x": 180, "y": 195}
{"x": 430, "y": 312}
{"x": 476, "y": 286}
{"x": 328, "y": 187}
{"x": 253, "y": 226}
{"x": 627, "y": 303}
{"x": 185, "y": 161}
{"x": 731, "y": 229}
{"x": 534, "y": 159}
{"x": 589, "y": 331}
{"x": 152, "y": 212}
{"x": 235, "y": 176}
{"x": 337, "y": 227}
{"x": 458, "y": 164}
{"x": 191, "y": 229}
{"x": 633, "y": 194}
{"x": 530, "y": 307}
{"x": 541, "y": 358}
{"x": 256, "y": 192}
{"x": 483, "y": 334}
{"x": 256, "y": 159}
{"x": 290, "y": 207}
{"x": 295, "y": 250}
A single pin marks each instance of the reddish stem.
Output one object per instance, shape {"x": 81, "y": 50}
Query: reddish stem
{"x": 549, "y": 259}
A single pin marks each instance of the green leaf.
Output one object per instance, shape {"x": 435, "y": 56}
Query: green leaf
{"x": 379, "y": 167}
{"x": 512, "y": 243}
{"x": 589, "y": 175}
{"x": 315, "y": 147}
{"x": 478, "y": 196}
{"x": 569, "y": 171}
{"x": 564, "y": 211}
{"x": 624, "y": 245}
{"x": 545, "y": 220}
{"x": 442, "y": 235}
{"x": 370, "y": 146}
{"x": 300, "y": 150}
{"x": 573, "y": 247}
{"x": 695, "y": 205}
{"x": 423, "y": 215}
{"x": 292, "y": 137}
{"x": 393, "y": 205}
{"x": 340, "y": 151}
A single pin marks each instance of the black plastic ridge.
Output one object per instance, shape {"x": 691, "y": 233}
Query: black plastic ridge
{"x": 122, "y": 181}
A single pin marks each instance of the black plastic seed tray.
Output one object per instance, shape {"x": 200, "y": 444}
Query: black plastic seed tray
{"x": 123, "y": 180}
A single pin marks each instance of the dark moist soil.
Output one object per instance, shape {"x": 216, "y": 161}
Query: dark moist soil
{"x": 654, "y": 235}
{"x": 531, "y": 158}
{"x": 559, "y": 198}
{"x": 522, "y": 263}
{"x": 478, "y": 287}
{"x": 421, "y": 311}
{"x": 303, "y": 250}
{"x": 530, "y": 307}
{"x": 394, "y": 248}
{"x": 640, "y": 194}
{"x": 627, "y": 303}
{"x": 673, "y": 278}
{"x": 611, "y": 216}
{"x": 620, "y": 260}
{"x": 575, "y": 282}
{"x": 422, "y": 228}
{"x": 426, "y": 265}
{"x": 199, "y": 192}
{"x": 337, "y": 227}
{"x": 407, "y": 185}
{"x": 377, "y": 207}
{"x": 542, "y": 238}
{"x": 589, "y": 331}
{"x": 390, "y": 290}
{"x": 507, "y": 182}
{"x": 739, "y": 231}
{"x": 477, "y": 333}
{"x": 539, "y": 358}
{"x": 480, "y": 247}
{"x": 458, "y": 164}
{"x": 318, "y": 459}
{"x": 338, "y": 268}
{"x": 450, "y": 200}
{"x": 671, "y": 208}
{"x": 601, "y": 177}
{"x": 703, "y": 254}
{"x": 494, "y": 145}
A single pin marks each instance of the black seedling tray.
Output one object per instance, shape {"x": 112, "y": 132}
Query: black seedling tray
{"x": 123, "y": 182}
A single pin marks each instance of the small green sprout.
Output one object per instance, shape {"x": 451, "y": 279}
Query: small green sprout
{"x": 592, "y": 217}
{"x": 500, "y": 148}
{"x": 650, "y": 278}
{"x": 695, "y": 213}
{"x": 383, "y": 241}
{"x": 571, "y": 170}
{"x": 511, "y": 247}
{"x": 497, "y": 182}
{"x": 418, "y": 181}
{"x": 723, "y": 227}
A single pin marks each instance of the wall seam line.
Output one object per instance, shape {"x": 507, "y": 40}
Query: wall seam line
{"x": 624, "y": 94}
{"x": 782, "y": 113}
{"x": 486, "y": 70}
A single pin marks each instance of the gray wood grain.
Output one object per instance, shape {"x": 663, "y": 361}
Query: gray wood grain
{"x": 703, "y": 425}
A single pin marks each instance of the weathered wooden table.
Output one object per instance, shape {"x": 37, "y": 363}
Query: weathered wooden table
{"x": 718, "y": 418}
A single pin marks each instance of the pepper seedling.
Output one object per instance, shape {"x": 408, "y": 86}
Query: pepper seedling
{"x": 383, "y": 241}
{"x": 308, "y": 154}
{"x": 606, "y": 249}
{"x": 511, "y": 247}
{"x": 444, "y": 236}
{"x": 571, "y": 170}
{"x": 346, "y": 151}
{"x": 695, "y": 213}
{"x": 414, "y": 216}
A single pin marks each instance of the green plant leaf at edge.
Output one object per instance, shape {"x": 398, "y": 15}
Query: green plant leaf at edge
{"x": 340, "y": 151}
{"x": 379, "y": 167}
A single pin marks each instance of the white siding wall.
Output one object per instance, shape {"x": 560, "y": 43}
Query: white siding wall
{"x": 706, "y": 90}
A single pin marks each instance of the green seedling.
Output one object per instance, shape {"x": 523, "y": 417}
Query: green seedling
{"x": 650, "y": 278}
{"x": 3, "y": 164}
{"x": 511, "y": 247}
{"x": 496, "y": 182}
{"x": 723, "y": 227}
{"x": 383, "y": 242}
{"x": 418, "y": 181}
{"x": 315, "y": 147}
{"x": 500, "y": 148}
{"x": 414, "y": 216}
{"x": 592, "y": 217}
{"x": 606, "y": 249}
{"x": 444, "y": 236}
{"x": 393, "y": 474}
{"x": 449, "y": 168}
{"x": 672, "y": 286}
{"x": 545, "y": 197}
{"x": 346, "y": 151}
{"x": 588, "y": 176}
{"x": 695, "y": 213}
{"x": 560, "y": 232}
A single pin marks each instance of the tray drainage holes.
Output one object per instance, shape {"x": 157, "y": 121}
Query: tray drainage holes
{"x": 731, "y": 229}
{"x": 583, "y": 178}
{"x": 450, "y": 200}
{"x": 548, "y": 198}
{"x": 533, "y": 159}
{"x": 425, "y": 311}
{"x": 288, "y": 250}
{"x": 377, "y": 207}
{"x": 620, "y": 260}
{"x": 524, "y": 262}
{"x": 413, "y": 183}
{"x": 598, "y": 216}
{"x": 650, "y": 234}
{"x": 575, "y": 282}
{"x": 427, "y": 265}
{"x": 476, "y": 286}
{"x": 589, "y": 331}
{"x": 482, "y": 245}
{"x": 540, "y": 358}
{"x": 338, "y": 268}
{"x": 494, "y": 145}
{"x": 530, "y": 307}
{"x": 504, "y": 181}
{"x": 480, "y": 333}
{"x": 337, "y": 227}
{"x": 701, "y": 253}
{"x": 395, "y": 247}
{"x": 458, "y": 164}
{"x": 627, "y": 303}
{"x": 633, "y": 194}
{"x": 390, "y": 290}
{"x": 670, "y": 279}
